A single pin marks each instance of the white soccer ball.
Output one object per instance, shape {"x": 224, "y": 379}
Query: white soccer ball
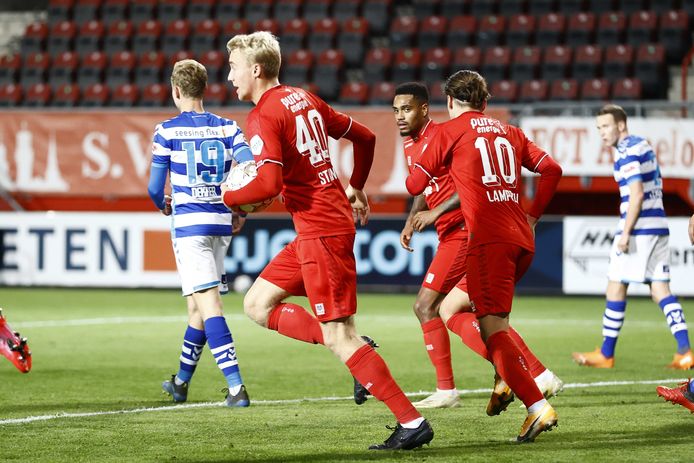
{"x": 242, "y": 283}
{"x": 241, "y": 175}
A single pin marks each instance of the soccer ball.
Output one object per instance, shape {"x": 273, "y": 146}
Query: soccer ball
{"x": 241, "y": 175}
{"x": 242, "y": 283}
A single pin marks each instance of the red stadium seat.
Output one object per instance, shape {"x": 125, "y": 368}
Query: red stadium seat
{"x": 297, "y": 68}
{"x": 571, "y": 7}
{"x": 377, "y": 65}
{"x": 155, "y": 95}
{"x": 382, "y": 93}
{"x": 504, "y": 91}
{"x": 436, "y": 93}
{"x": 216, "y": 63}
{"x": 149, "y": 69}
{"x": 35, "y": 69}
{"x": 467, "y": 58}
{"x": 650, "y": 68}
{"x": 674, "y": 34}
{"x": 461, "y": 31}
{"x": 352, "y": 40}
{"x": 595, "y": 90}
{"x": 491, "y": 31}
{"x": 235, "y": 27}
{"x": 403, "y": 31}
{"x": 66, "y": 96}
{"x": 315, "y": 10}
{"x": 267, "y": 24}
{"x": 38, "y": 95}
{"x": 257, "y": 10}
{"x": 626, "y": 89}
{"x": 611, "y": 28}
{"x": 200, "y": 10}
{"x": 63, "y": 69}
{"x": 92, "y": 69}
{"x": 432, "y": 31}
{"x": 9, "y": 68}
{"x": 95, "y": 96}
{"x": 481, "y": 8}
{"x": 555, "y": 63}
{"x": 495, "y": 63}
{"x": 406, "y": 65}
{"x": 228, "y": 10}
{"x": 513, "y": 7}
{"x": 540, "y": 7}
{"x": 205, "y": 36}
{"x": 85, "y": 11}
{"x": 642, "y": 28}
{"x": 142, "y": 11}
{"x": 286, "y": 10}
{"x": 294, "y": 32}
{"x": 61, "y": 38}
{"x": 60, "y": 10}
{"x": 118, "y": 37}
{"x": 346, "y": 9}
{"x": 120, "y": 68}
{"x": 147, "y": 37}
{"x": 113, "y": 11}
{"x": 180, "y": 56}
{"x": 521, "y": 30}
{"x": 354, "y": 93}
{"x": 216, "y": 94}
{"x": 125, "y": 95}
{"x": 581, "y": 30}
{"x": 11, "y": 95}
{"x": 551, "y": 29}
{"x": 34, "y": 38}
{"x": 436, "y": 64}
{"x": 90, "y": 38}
{"x": 587, "y": 62}
{"x": 170, "y": 11}
{"x": 323, "y": 35}
{"x": 327, "y": 74}
{"x": 378, "y": 14}
{"x": 563, "y": 90}
{"x": 176, "y": 36}
{"x": 619, "y": 61}
{"x": 451, "y": 8}
{"x": 533, "y": 90}
{"x": 525, "y": 64}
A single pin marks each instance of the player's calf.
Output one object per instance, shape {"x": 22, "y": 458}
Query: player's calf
{"x": 361, "y": 394}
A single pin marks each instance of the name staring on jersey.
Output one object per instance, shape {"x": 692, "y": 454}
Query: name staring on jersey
{"x": 326, "y": 176}
{"x": 294, "y": 102}
{"x": 207, "y": 132}
{"x": 487, "y": 125}
{"x": 203, "y": 192}
{"x": 495, "y": 196}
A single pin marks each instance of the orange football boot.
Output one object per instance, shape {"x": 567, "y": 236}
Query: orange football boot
{"x": 543, "y": 420}
{"x": 678, "y": 395}
{"x": 593, "y": 359}
{"x": 682, "y": 361}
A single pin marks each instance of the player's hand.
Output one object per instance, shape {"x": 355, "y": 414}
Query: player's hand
{"x": 623, "y": 243}
{"x": 423, "y": 219}
{"x": 532, "y": 221}
{"x": 360, "y": 204}
{"x": 406, "y": 236}
{"x": 237, "y": 223}
{"x": 167, "y": 205}
{"x": 691, "y": 229}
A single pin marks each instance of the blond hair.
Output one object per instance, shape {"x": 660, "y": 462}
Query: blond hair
{"x": 191, "y": 77}
{"x": 261, "y": 48}
{"x": 468, "y": 87}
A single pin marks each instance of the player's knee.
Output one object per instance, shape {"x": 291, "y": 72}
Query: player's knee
{"x": 424, "y": 310}
{"x": 254, "y": 309}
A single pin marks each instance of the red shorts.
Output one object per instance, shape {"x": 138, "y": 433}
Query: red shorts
{"x": 449, "y": 263}
{"x": 493, "y": 270}
{"x": 323, "y": 269}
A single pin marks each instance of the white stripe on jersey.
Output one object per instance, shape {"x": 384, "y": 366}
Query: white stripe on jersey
{"x": 196, "y": 218}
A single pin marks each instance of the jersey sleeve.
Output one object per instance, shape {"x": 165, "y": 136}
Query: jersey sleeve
{"x": 161, "y": 148}
{"x": 532, "y": 155}
{"x": 337, "y": 123}
{"x": 629, "y": 165}
{"x": 239, "y": 148}
{"x": 267, "y": 130}
{"x": 434, "y": 160}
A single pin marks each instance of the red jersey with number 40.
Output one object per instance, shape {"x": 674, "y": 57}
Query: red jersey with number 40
{"x": 440, "y": 187}
{"x": 485, "y": 158}
{"x": 290, "y": 127}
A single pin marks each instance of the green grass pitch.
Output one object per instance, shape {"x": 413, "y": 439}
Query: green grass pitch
{"x": 100, "y": 351}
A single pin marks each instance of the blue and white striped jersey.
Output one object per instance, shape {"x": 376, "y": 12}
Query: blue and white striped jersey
{"x": 635, "y": 160}
{"x": 197, "y": 149}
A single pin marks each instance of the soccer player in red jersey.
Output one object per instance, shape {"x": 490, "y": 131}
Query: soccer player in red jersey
{"x": 440, "y": 205}
{"x": 484, "y": 157}
{"x": 288, "y": 134}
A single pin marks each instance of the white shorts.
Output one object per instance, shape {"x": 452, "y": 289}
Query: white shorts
{"x": 200, "y": 262}
{"x": 648, "y": 260}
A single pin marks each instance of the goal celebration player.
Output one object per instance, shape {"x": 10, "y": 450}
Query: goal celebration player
{"x": 288, "y": 134}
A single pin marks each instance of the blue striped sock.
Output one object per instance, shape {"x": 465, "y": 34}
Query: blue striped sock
{"x": 612, "y": 322}
{"x": 691, "y": 386}
{"x": 675, "y": 318}
{"x": 193, "y": 343}
{"x": 222, "y": 346}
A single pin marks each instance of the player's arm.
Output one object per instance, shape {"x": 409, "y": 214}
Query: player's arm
{"x": 425, "y": 218}
{"x": 364, "y": 142}
{"x": 418, "y": 204}
{"x": 691, "y": 229}
{"x": 550, "y": 172}
{"x": 159, "y": 170}
{"x": 433, "y": 160}
{"x": 633, "y": 212}
{"x": 266, "y": 185}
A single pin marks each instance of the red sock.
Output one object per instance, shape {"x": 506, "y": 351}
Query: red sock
{"x": 293, "y": 321}
{"x": 511, "y": 366}
{"x": 439, "y": 349}
{"x": 534, "y": 365}
{"x": 370, "y": 370}
{"x": 465, "y": 325}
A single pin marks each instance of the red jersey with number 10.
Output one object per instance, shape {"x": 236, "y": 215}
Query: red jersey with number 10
{"x": 440, "y": 187}
{"x": 485, "y": 158}
{"x": 290, "y": 127}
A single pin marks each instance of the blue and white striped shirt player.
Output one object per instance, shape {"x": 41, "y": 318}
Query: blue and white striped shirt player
{"x": 634, "y": 160}
{"x": 197, "y": 149}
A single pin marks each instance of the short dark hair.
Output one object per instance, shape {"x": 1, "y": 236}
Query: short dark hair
{"x": 419, "y": 91}
{"x": 468, "y": 87}
{"x": 617, "y": 112}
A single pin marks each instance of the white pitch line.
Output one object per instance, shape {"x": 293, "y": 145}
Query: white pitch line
{"x": 31, "y": 419}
